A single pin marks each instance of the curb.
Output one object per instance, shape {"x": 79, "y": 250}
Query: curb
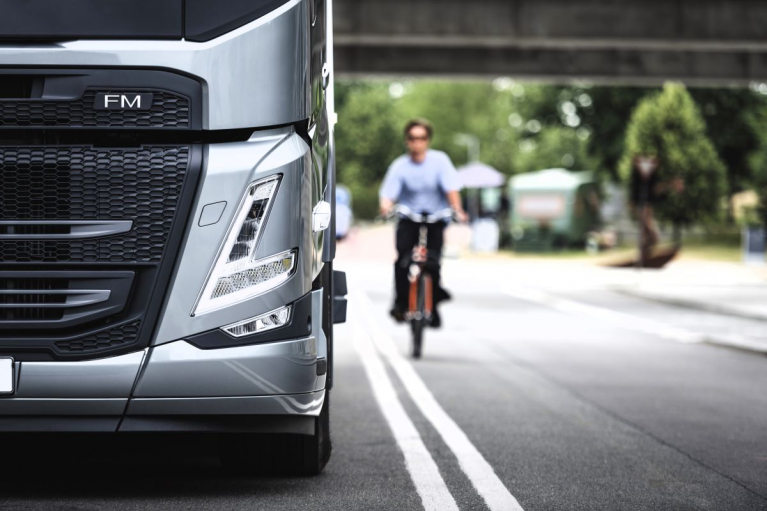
{"x": 740, "y": 345}
{"x": 694, "y": 304}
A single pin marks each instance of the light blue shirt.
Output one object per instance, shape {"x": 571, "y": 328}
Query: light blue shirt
{"x": 422, "y": 187}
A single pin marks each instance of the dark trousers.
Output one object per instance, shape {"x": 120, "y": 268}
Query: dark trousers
{"x": 407, "y": 238}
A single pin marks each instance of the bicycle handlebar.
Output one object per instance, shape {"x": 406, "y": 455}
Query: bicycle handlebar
{"x": 421, "y": 218}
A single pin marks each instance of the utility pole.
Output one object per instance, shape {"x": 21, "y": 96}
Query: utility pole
{"x": 472, "y": 145}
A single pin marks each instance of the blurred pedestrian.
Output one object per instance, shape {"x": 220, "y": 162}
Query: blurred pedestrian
{"x": 646, "y": 191}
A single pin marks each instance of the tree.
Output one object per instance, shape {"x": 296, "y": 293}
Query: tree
{"x": 555, "y": 147}
{"x": 367, "y": 140}
{"x": 758, "y": 159}
{"x": 729, "y": 117}
{"x": 605, "y": 114}
{"x": 475, "y": 108}
{"x": 669, "y": 126}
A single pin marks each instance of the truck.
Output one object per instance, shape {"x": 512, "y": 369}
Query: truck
{"x": 167, "y": 192}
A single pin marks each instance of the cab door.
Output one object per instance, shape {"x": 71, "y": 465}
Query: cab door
{"x": 319, "y": 126}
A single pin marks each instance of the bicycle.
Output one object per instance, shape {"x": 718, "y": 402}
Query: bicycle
{"x": 420, "y": 297}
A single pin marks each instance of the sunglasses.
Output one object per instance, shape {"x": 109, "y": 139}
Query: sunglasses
{"x": 413, "y": 139}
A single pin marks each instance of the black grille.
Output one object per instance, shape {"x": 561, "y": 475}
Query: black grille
{"x": 169, "y": 110}
{"x": 11, "y": 293}
{"x": 85, "y": 183}
{"x": 120, "y": 336}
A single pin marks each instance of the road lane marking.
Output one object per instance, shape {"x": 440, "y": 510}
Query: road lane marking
{"x": 628, "y": 321}
{"x": 423, "y": 469}
{"x": 474, "y": 465}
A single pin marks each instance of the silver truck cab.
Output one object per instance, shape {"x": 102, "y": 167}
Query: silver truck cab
{"x": 166, "y": 235}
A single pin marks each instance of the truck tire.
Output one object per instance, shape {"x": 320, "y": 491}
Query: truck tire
{"x": 317, "y": 448}
{"x": 279, "y": 454}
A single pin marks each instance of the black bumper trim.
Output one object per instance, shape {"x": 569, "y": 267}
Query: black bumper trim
{"x": 293, "y": 424}
{"x": 300, "y": 326}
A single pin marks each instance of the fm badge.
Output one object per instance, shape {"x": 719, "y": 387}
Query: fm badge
{"x": 128, "y": 101}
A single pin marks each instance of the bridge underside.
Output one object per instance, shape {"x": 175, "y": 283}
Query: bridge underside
{"x": 630, "y": 41}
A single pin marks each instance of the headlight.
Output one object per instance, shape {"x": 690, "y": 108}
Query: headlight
{"x": 237, "y": 275}
{"x": 263, "y": 323}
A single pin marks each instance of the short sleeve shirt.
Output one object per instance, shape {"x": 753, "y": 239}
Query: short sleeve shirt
{"x": 422, "y": 187}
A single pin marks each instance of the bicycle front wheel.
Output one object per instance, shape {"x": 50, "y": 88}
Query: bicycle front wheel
{"x": 418, "y": 322}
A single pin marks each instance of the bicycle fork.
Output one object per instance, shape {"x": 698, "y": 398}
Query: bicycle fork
{"x": 420, "y": 297}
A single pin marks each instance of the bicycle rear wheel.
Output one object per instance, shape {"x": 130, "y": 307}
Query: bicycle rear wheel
{"x": 417, "y": 328}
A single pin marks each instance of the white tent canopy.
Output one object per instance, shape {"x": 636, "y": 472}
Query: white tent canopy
{"x": 479, "y": 175}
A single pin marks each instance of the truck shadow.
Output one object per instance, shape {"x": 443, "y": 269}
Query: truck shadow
{"x": 92, "y": 468}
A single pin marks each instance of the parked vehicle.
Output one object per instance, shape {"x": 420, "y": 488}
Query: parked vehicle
{"x": 166, "y": 191}
{"x": 344, "y": 216}
{"x": 553, "y": 208}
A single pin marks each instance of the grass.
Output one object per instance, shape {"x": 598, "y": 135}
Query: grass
{"x": 695, "y": 251}
{"x": 726, "y": 253}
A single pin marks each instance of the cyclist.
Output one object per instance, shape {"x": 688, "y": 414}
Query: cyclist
{"x": 425, "y": 181}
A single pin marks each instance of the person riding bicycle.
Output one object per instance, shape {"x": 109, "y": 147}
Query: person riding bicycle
{"x": 425, "y": 181}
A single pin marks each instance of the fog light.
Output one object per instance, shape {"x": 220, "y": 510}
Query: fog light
{"x": 263, "y": 323}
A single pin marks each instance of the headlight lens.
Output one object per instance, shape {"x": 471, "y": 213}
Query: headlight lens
{"x": 272, "y": 271}
{"x": 237, "y": 275}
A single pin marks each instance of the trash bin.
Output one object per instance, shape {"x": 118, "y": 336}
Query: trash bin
{"x": 485, "y": 235}
{"x": 754, "y": 245}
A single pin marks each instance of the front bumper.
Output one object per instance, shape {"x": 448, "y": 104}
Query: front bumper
{"x": 176, "y": 387}
{"x": 271, "y": 387}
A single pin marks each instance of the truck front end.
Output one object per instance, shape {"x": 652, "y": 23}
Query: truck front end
{"x": 166, "y": 196}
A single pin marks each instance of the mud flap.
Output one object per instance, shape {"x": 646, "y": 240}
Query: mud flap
{"x": 339, "y": 297}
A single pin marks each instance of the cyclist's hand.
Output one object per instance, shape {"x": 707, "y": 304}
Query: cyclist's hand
{"x": 386, "y": 207}
{"x": 461, "y": 216}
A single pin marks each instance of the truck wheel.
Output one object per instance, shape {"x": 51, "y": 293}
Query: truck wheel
{"x": 279, "y": 454}
{"x": 317, "y": 448}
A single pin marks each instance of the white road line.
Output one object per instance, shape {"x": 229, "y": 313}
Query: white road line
{"x": 624, "y": 320}
{"x": 474, "y": 465}
{"x": 423, "y": 470}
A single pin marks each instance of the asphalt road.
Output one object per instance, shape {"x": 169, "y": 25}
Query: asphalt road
{"x": 533, "y": 398}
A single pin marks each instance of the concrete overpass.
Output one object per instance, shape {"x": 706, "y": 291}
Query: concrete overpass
{"x": 634, "y": 41}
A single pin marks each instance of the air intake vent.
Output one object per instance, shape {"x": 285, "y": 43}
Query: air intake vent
{"x": 69, "y": 185}
{"x": 37, "y": 301}
{"x": 21, "y": 299}
{"x": 119, "y": 336}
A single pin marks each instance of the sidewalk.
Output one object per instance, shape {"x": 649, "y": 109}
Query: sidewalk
{"x": 723, "y": 288}
{"x": 749, "y": 302}
{"x": 732, "y": 289}
{"x": 729, "y": 289}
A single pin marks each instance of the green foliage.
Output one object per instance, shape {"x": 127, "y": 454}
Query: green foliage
{"x": 670, "y": 127}
{"x": 367, "y": 135}
{"x": 367, "y": 140}
{"x": 524, "y": 127}
{"x": 556, "y": 147}
{"x": 606, "y": 118}
{"x": 733, "y": 127}
{"x": 474, "y": 108}
{"x": 758, "y": 160}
